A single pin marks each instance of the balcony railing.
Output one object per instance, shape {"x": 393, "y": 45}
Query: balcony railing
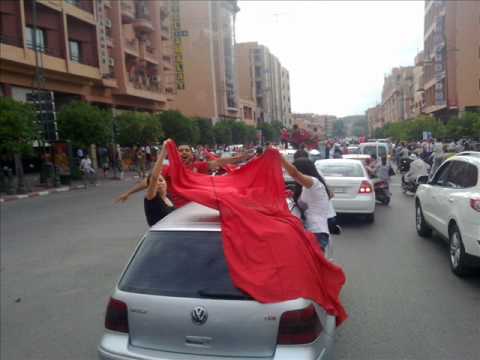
{"x": 82, "y": 4}
{"x": 46, "y": 50}
{"x": 131, "y": 44}
{"x": 11, "y": 40}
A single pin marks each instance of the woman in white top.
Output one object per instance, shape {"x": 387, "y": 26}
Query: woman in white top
{"x": 312, "y": 197}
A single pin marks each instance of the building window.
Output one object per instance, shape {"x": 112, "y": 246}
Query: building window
{"x": 73, "y": 2}
{"x": 41, "y": 37}
{"x": 75, "y": 53}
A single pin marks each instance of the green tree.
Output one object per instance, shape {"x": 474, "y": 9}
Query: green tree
{"x": 205, "y": 128}
{"x": 277, "y": 127}
{"x": 251, "y": 135}
{"x": 135, "y": 128}
{"x": 18, "y": 130}
{"x": 84, "y": 124}
{"x": 177, "y": 127}
{"x": 223, "y": 132}
{"x": 239, "y": 132}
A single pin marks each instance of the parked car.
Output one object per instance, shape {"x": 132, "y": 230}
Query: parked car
{"x": 175, "y": 300}
{"x": 449, "y": 203}
{"x": 379, "y": 149}
{"x": 351, "y": 185}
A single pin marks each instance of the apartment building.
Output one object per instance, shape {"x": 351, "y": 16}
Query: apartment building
{"x": 116, "y": 54}
{"x": 375, "y": 119}
{"x": 323, "y": 125}
{"x": 262, "y": 76}
{"x": 204, "y": 38}
{"x": 418, "y": 84}
{"x": 397, "y": 95}
{"x": 286, "y": 107}
{"x": 245, "y": 71}
{"x": 452, "y": 57}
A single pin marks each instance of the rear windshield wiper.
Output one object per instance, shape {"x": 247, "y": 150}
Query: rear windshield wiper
{"x": 223, "y": 294}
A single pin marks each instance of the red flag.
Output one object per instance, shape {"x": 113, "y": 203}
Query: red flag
{"x": 209, "y": 156}
{"x": 269, "y": 254}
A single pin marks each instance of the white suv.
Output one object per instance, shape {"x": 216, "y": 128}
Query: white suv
{"x": 449, "y": 203}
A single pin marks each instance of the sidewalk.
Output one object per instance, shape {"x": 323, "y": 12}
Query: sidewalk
{"x": 36, "y": 190}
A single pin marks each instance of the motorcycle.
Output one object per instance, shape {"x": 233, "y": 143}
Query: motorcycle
{"x": 382, "y": 192}
{"x": 404, "y": 165}
{"x": 409, "y": 186}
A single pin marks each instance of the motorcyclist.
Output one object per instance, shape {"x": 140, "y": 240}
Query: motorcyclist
{"x": 418, "y": 167}
{"x": 372, "y": 167}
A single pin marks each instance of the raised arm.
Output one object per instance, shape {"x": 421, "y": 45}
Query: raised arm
{"x": 157, "y": 170}
{"x": 218, "y": 163}
{"x": 140, "y": 186}
{"x": 300, "y": 178}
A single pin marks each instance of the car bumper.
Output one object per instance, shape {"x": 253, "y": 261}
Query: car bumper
{"x": 115, "y": 346}
{"x": 361, "y": 204}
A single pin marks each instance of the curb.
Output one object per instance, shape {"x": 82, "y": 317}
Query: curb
{"x": 41, "y": 193}
{"x": 34, "y": 194}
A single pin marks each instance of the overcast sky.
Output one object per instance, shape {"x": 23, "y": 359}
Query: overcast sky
{"x": 337, "y": 52}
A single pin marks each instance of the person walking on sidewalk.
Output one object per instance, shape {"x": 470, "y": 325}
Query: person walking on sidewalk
{"x": 87, "y": 170}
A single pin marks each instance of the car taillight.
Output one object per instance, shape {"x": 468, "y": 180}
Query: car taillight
{"x": 365, "y": 188}
{"x": 299, "y": 327}
{"x": 116, "y": 318}
{"x": 475, "y": 204}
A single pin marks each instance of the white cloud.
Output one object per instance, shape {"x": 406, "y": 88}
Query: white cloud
{"x": 337, "y": 52}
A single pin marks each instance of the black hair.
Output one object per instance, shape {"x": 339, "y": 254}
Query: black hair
{"x": 301, "y": 153}
{"x": 306, "y": 167}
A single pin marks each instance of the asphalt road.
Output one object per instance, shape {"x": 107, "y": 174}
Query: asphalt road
{"x": 61, "y": 255}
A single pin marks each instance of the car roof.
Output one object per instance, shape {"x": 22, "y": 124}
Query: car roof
{"x": 473, "y": 159}
{"x": 343, "y": 161}
{"x": 374, "y": 144}
{"x": 191, "y": 217}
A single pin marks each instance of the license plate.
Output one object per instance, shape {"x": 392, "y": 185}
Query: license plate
{"x": 339, "y": 190}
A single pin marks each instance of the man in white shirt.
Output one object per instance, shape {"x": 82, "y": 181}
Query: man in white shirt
{"x": 87, "y": 169}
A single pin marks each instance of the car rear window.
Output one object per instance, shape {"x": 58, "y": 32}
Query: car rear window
{"x": 341, "y": 170}
{"x": 181, "y": 264}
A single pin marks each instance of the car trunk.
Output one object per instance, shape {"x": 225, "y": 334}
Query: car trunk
{"x": 344, "y": 187}
{"x": 233, "y": 327}
{"x": 173, "y": 273}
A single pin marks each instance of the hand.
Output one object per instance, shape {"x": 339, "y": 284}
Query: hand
{"x": 122, "y": 198}
{"x": 165, "y": 143}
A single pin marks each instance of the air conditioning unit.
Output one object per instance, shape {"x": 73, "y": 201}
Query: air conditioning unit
{"x": 108, "y": 23}
{"x": 111, "y": 61}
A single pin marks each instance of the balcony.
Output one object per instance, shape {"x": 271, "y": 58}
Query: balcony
{"x": 165, "y": 32}
{"x": 143, "y": 24}
{"x": 82, "y": 4}
{"x": 11, "y": 40}
{"x": 128, "y": 11}
{"x": 131, "y": 47}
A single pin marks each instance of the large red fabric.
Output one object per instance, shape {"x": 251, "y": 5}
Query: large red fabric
{"x": 269, "y": 254}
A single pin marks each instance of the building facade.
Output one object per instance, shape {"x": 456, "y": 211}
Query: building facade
{"x": 204, "y": 38}
{"x": 418, "y": 84}
{"x": 375, "y": 119}
{"x": 260, "y": 74}
{"x": 323, "y": 125}
{"x": 452, "y": 57}
{"x": 245, "y": 70}
{"x": 397, "y": 95}
{"x": 110, "y": 53}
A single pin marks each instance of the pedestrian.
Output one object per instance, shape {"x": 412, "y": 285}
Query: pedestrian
{"x": 327, "y": 150}
{"x": 140, "y": 157}
{"x": 300, "y": 153}
{"x": 311, "y": 197}
{"x": 384, "y": 172}
{"x": 87, "y": 170}
{"x": 104, "y": 160}
{"x": 156, "y": 203}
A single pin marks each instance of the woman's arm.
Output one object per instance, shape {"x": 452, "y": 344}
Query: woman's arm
{"x": 157, "y": 170}
{"x": 300, "y": 178}
{"x": 141, "y": 185}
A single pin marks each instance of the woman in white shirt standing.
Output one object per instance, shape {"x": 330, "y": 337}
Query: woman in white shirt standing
{"x": 312, "y": 197}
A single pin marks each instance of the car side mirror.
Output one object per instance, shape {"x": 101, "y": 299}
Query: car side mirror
{"x": 422, "y": 179}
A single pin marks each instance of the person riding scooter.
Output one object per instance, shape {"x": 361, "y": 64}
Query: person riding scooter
{"x": 418, "y": 167}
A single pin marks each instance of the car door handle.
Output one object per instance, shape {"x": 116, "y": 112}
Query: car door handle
{"x": 451, "y": 200}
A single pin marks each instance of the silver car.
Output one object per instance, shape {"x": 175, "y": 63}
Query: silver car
{"x": 175, "y": 300}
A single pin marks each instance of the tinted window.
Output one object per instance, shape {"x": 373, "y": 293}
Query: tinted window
{"x": 441, "y": 175}
{"x": 370, "y": 150}
{"x": 463, "y": 174}
{"x": 182, "y": 264}
{"x": 343, "y": 170}
{"x": 382, "y": 151}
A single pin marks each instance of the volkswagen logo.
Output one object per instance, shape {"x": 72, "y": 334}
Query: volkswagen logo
{"x": 199, "y": 315}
